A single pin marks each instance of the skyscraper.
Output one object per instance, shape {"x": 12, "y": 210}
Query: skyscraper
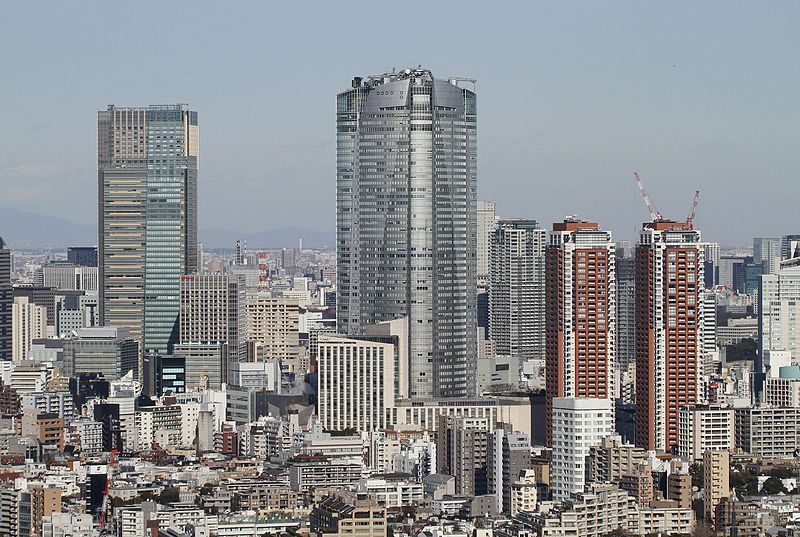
{"x": 406, "y": 221}
{"x": 6, "y": 299}
{"x": 147, "y": 166}
{"x": 581, "y": 313}
{"x": 767, "y": 253}
{"x": 516, "y": 289}
{"x": 669, "y": 329}
{"x": 487, "y": 223}
{"x": 779, "y": 319}
{"x": 626, "y": 305}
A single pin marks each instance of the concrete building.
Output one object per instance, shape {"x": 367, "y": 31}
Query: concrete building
{"x": 508, "y": 455}
{"x": 516, "y": 289}
{"x": 578, "y": 425}
{"x": 594, "y": 513}
{"x": 392, "y": 491}
{"x": 67, "y": 276}
{"x": 28, "y": 322}
{"x": 779, "y": 315}
{"x": 669, "y": 329}
{"x": 767, "y": 253}
{"x": 703, "y": 429}
{"x": 581, "y": 314}
{"x": 346, "y": 514}
{"x": 309, "y": 472}
{"x": 716, "y": 484}
{"x": 625, "y": 337}
{"x": 147, "y": 167}
{"x": 355, "y": 383}
{"x": 273, "y": 323}
{"x": 67, "y": 525}
{"x": 783, "y": 391}
{"x": 406, "y": 227}
{"x": 83, "y": 256}
{"x": 487, "y": 223}
{"x": 524, "y": 493}
{"x": 205, "y": 364}
{"x": 768, "y": 432}
{"x": 462, "y": 447}
{"x": 110, "y": 351}
{"x": 45, "y": 501}
{"x": 611, "y": 460}
{"x": 213, "y": 311}
{"x": 6, "y": 300}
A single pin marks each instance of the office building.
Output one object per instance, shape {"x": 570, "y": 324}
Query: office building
{"x": 66, "y": 276}
{"x": 6, "y": 299}
{"x": 581, "y": 313}
{"x": 487, "y": 223}
{"x": 462, "y": 445}
{"x": 213, "y": 311}
{"x": 355, "y": 383}
{"x": 577, "y": 426}
{"x": 779, "y": 315}
{"x": 147, "y": 166}
{"x": 206, "y": 364}
{"x": 768, "y": 432}
{"x": 516, "y": 289}
{"x": 669, "y": 334}
{"x": 711, "y": 264}
{"x": 83, "y": 256}
{"x": 109, "y": 351}
{"x": 28, "y": 322}
{"x": 274, "y": 324}
{"x": 704, "y": 428}
{"x": 406, "y": 221}
{"x": 790, "y": 247}
{"x": 767, "y": 253}
{"x": 716, "y": 482}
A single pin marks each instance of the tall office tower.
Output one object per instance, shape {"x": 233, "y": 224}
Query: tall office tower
{"x": 487, "y": 223}
{"x": 147, "y": 165}
{"x": 779, "y": 319}
{"x": 790, "y": 247}
{"x": 767, "y": 253}
{"x": 517, "y": 289}
{"x": 711, "y": 264}
{"x": 578, "y": 426}
{"x": 28, "y": 322}
{"x": 581, "y": 314}
{"x": 84, "y": 256}
{"x": 626, "y": 305}
{"x": 406, "y": 221}
{"x": 6, "y": 299}
{"x": 213, "y": 311}
{"x": 669, "y": 329}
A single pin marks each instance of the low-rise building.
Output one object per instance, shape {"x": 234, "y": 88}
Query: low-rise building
{"x": 347, "y": 514}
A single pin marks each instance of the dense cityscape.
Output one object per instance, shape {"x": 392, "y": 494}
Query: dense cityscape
{"x": 440, "y": 371}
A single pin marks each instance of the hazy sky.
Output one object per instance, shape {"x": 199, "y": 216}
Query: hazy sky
{"x": 572, "y": 98}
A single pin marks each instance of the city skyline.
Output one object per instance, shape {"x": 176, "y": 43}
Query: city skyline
{"x": 616, "y": 97}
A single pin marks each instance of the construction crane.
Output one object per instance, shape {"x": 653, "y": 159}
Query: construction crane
{"x": 655, "y": 216}
{"x": 106, "y": 500}
{"x": 690, "y": 219}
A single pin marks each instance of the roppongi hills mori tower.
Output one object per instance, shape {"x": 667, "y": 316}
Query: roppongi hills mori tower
{"x": 406, "y": 222}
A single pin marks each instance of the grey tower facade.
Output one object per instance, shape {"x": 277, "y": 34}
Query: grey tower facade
{"x": 406, "y": 221}
{"x": 6, "y": 299}
{"x": 147, "y": 166}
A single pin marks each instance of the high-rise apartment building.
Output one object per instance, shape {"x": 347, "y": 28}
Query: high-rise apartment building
{"x": 28, "y": 322}
{"x": 6, "y": 299}
{"x": 213, "y": 311}
{"x": 406, "y": 220}
{"x": 508, "y": 455}
{"x": 669, "y": 329}
{"x": 517, "y": 289}
{"x": 716, "y": 481}
{"x": 625, "y": 268}
{"x": 578, "y": 425}
{"x": 147, "y": 166}
{"x": 487, "y": 223}
{"x": 779, "y": 316}
{"x": 462, "y": 445}
{"x": 581, "y": 313}
{"x": 274, "y": 324}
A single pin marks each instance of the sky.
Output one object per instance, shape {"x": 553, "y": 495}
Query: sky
{"x": 572, "y": 98}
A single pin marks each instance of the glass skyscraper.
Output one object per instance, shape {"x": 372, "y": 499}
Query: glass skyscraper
{"x": 147, "y": 164}
{"x": 406, "y": 221}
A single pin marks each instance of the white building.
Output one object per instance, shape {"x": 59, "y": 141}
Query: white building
{"x": 578, "y": 425}
{"x": 391, "y": 492}
{"x": 487, "y": 223}
{"x": 28, "y": 322}
{"x": 704, "y": 428}
{"x": 779, "y": 314}
{"x": 67, "y": 525}
{"x": 523, "y": 493}
{"x": 356, "y": 383}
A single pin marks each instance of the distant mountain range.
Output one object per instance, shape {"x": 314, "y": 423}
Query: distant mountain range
{"x": 24, "y": 230}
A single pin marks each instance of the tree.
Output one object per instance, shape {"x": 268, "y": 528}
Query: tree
{"x": 696, "y": 471}
{"x": 169, "y": 495}
{"x": 744, "y": 350}
{"x": 772, "y": 486}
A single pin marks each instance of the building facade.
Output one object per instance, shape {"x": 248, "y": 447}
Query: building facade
{"x": 147, "y": 167}
{"x": 487, "y": 223}
{"x": 669, "y": 329}
{"x": 581, "y": 313}
{"x": 406, "y": 220}
{"x": 516, "y": 289}
{"x": 6, "y": 299}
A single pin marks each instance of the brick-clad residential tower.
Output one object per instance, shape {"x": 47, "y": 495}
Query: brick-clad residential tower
{"x": 581, "y": 313}
{"x": 669, "y": 326}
